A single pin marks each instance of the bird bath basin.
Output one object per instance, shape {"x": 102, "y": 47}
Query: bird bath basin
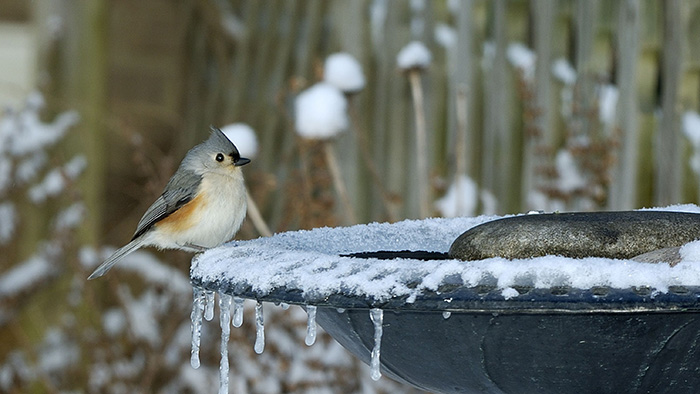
{"x": 548, "y": 324}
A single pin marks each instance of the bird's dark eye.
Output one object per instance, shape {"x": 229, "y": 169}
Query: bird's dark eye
{"x": 219, "y": 157}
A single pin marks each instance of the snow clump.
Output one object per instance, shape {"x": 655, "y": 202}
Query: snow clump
{"x": 522, "y": 58}
{"x": 343, "y": 71}
{"x": 321, "y": 112}
{"x": 414, "y": 55}
{"x": 243, "y": 136}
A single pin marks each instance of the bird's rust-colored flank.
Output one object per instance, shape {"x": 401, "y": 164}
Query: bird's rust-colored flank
{"x": 185, "y": 217}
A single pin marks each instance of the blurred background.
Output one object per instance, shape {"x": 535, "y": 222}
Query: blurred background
{"x": 546, "y": 105}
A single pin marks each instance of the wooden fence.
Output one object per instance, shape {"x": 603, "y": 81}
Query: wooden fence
{"x": 609, "y": 86}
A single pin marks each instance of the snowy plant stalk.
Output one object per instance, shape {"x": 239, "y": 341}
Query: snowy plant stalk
{"x": 256, "y": 217}
{"x": 338, "y": 182}
{"x": 310, "y": 325}
{"x": 414, "y": 77}
{"x": 377, "y": 317}
{"x": 259, "y": 329}
{"x": 225, "y": 323}
{"x": 196, "y": 317}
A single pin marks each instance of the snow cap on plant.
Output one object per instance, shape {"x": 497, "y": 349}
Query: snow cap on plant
{"x": 320, "y": 112}
{"x": 415, "y": 55}
{"x": 343, "y": 71}
{"x": 243, "y": 136}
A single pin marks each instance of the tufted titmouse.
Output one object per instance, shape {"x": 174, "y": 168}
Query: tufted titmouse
{"x": 202, "y": 206}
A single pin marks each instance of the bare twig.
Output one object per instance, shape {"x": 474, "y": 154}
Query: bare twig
{"x": 256, "y": 217}
{"x": 338, "y": 181}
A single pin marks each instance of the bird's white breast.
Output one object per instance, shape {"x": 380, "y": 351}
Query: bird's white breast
{"x": 219, "y": 210}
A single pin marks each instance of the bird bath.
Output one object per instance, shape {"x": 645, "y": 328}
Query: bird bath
{"x": 542, "y": 324}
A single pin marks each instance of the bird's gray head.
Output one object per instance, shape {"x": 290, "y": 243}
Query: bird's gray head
{"x": 217, "y": 154}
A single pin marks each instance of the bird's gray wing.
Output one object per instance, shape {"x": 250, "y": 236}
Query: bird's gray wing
{"x": 180, "y": 190}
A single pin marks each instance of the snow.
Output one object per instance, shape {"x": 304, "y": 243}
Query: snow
{"x": 243, "y": 136}
{"x": 564, "y": 71}
{"x": 24, "y": 276}
{"x": 321, "y": 112}
{"x": 607, "y": 103}
{"x": 8, "y": 219}
{"x": 691, "y": 127}
{"x": 522, "y": 58}
{"x": 414, "y": 55}
{"x": 445, "y": 35}
{"x": 344, "y": 72}
{"x": 460, "y": 200}
{"x": 55, "y": 180}
{"x": 569, "y": 177}
{"x": 69, "y": 218}
{"x": 113, "y": 322}
{"x": 28, "y": 169}
{"x": 22, "y": 132}
{"x": 690, "y": 124}
{"x": 309, "y": 261}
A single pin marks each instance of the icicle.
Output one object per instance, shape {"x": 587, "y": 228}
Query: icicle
{"x": 237, "y": 311}
{"x": 446, "y": 315}
{"x": 209, "y": 306}
{"x": 377, "y": 316}
{"x": 225, "y": 323}
{"x": 284, "y": 306}
{"x": 196, "y": 317}
{"x": 259, "y": 329}
{"x": 310, "y": 325}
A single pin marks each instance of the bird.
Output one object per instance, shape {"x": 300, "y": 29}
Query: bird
{"x": 202, "y": 206}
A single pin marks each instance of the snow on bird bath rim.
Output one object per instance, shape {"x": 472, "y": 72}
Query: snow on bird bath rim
{"x": 310, "y": 261}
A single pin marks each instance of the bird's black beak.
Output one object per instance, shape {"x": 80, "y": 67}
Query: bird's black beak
{"x": 241, "y": 162}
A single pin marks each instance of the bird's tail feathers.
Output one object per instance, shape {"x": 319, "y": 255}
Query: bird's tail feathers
{"x": 118, "y": 254}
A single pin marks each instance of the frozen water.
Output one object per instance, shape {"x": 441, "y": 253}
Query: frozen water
{"x": 243, "y": 136}
{"x": 343, "y": 71}
{"x": 320, "y": 112}
{"x": 225, "y": 323}
{"x": 377, "y": 317}
{"x": 259, "y": 329}
{"x": 414, "y": 55}
{"x": 196, "y": 317}
{"x": 310, "y": 261}
{"x": 237, "y": 311}
{"x": 310, "y": 325}
{"x": 208, "y": 305}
